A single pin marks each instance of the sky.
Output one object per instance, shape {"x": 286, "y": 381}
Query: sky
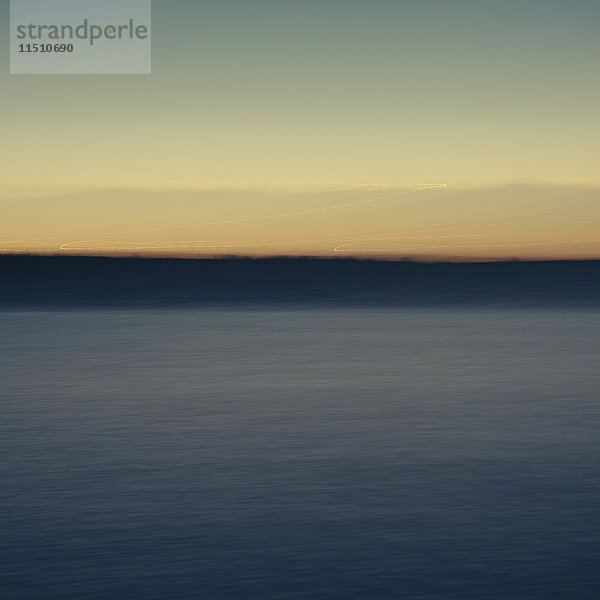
{"x": 317, "y": 128}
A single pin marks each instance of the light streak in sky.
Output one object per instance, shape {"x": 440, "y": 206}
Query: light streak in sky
{"x": 68, "y": 245}
{"x": 390, "y": 244}
{"x": 273, "y": 216}
{"x": 404, "y": 247}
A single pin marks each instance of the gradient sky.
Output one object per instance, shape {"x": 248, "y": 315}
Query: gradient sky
{"x": 288, "y": 106}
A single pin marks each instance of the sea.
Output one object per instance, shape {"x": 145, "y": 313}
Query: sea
{"x": 300, "y": 452}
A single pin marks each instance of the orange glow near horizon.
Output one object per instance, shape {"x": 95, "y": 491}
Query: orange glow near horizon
{"x": 424, "y": 221}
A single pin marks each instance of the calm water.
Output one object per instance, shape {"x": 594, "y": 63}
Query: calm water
{"x": 302, "y": 454}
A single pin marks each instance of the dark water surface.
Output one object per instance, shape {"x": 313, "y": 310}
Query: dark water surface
{"x": 319, "y": 454}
